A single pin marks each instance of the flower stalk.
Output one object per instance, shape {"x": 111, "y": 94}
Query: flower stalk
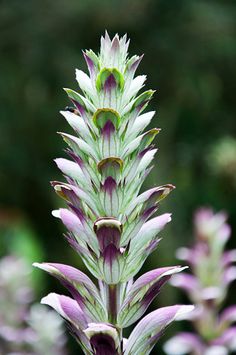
{"x": 110, "y": 224}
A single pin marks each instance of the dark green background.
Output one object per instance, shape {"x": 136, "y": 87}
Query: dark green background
{"x": 190, "y": 52}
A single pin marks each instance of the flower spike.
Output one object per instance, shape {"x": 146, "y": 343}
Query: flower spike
{"x": 212, "y": 272}
{"x": 109, "y": 223}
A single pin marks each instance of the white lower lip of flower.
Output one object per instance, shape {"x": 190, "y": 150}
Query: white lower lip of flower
{"x": 102, "y": 328}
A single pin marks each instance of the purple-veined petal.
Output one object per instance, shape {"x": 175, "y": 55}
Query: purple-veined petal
{"x": 79, "y": 125}
{"x": 227, "y": 316}
{"x": 150, "y": 329}
{"x": 135, "y": 261}
{"x": 83, "y": 196}
{"x": 110, "y": 197}
{"x": 184, "y": 343}
{"x": 229, "y": 275}
{"x": 109, "y": 144}
{"x": 69, "y": 219}
{"x": 139, "y": 210}
{"x": 143, "y": 292}
{"x": 92, "y": 62}
{"x": 79, "y": 146}
{"x": 71, "y": 169}
{"x": 72, "y": 313}
{"x": 148, "y": 233}
{"x": 67, "y": 308}
{"x": 131, "y": 68}
{"x": 229, "y": 257}
{"x": 89, "y": 258}
{"x": 140, "y": 165}
{"x": 74, "y": 225}
{"x": 111, "y": 264}
{"x": 141, "y": 142}
{"x": 66, "y": 192}
{"x": 80, "y": 286}
{"x": 138, "y": 125}
{"x": 103, "y": 115}
{"x": 227, "y": 339}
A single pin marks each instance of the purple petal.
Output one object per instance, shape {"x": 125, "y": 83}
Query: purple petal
{"x": 70, "y": 311}
{"x": 150, "y": 328}
{"x": 227, "y": 339}
{"x": 80, "y": 107}
{"x": 142, "y": 293}
{"x": 132, "y": 66}
{"x": 229, "y": 257}
{"x": 153, "y": 275}
{"x": 227, "y": 316}
{"x": 108, "y": 231}
{"x": 67, "y": 192}
{"x": 110, "y": 197}
{"x": 108, "y": 130}
{"x": 109, "y": 185}
{"x": 67, "y": 308}
{"x": 90, "y": 64}
{"x": 229, "y": 275}
{"x": 110, "y": 84}
{"x": 69, "y": 219}
{"x": 184, "y": 343}
{"x": 150, "y": 197}
{"x": 112, "y": 264}
{"x": 80, "y": 286}
{"x": 148, "y": 232}
{"x": 187, "y": 282}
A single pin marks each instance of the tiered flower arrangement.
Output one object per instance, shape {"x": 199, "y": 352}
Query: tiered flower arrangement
{"x": 212, "y": 273}
{"x": 108, "y": 221}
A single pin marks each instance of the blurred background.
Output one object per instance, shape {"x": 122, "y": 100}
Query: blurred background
{"x": 190, "y": 53}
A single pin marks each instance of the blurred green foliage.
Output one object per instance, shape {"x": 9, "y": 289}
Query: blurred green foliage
{"x": 190, "y": 52}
